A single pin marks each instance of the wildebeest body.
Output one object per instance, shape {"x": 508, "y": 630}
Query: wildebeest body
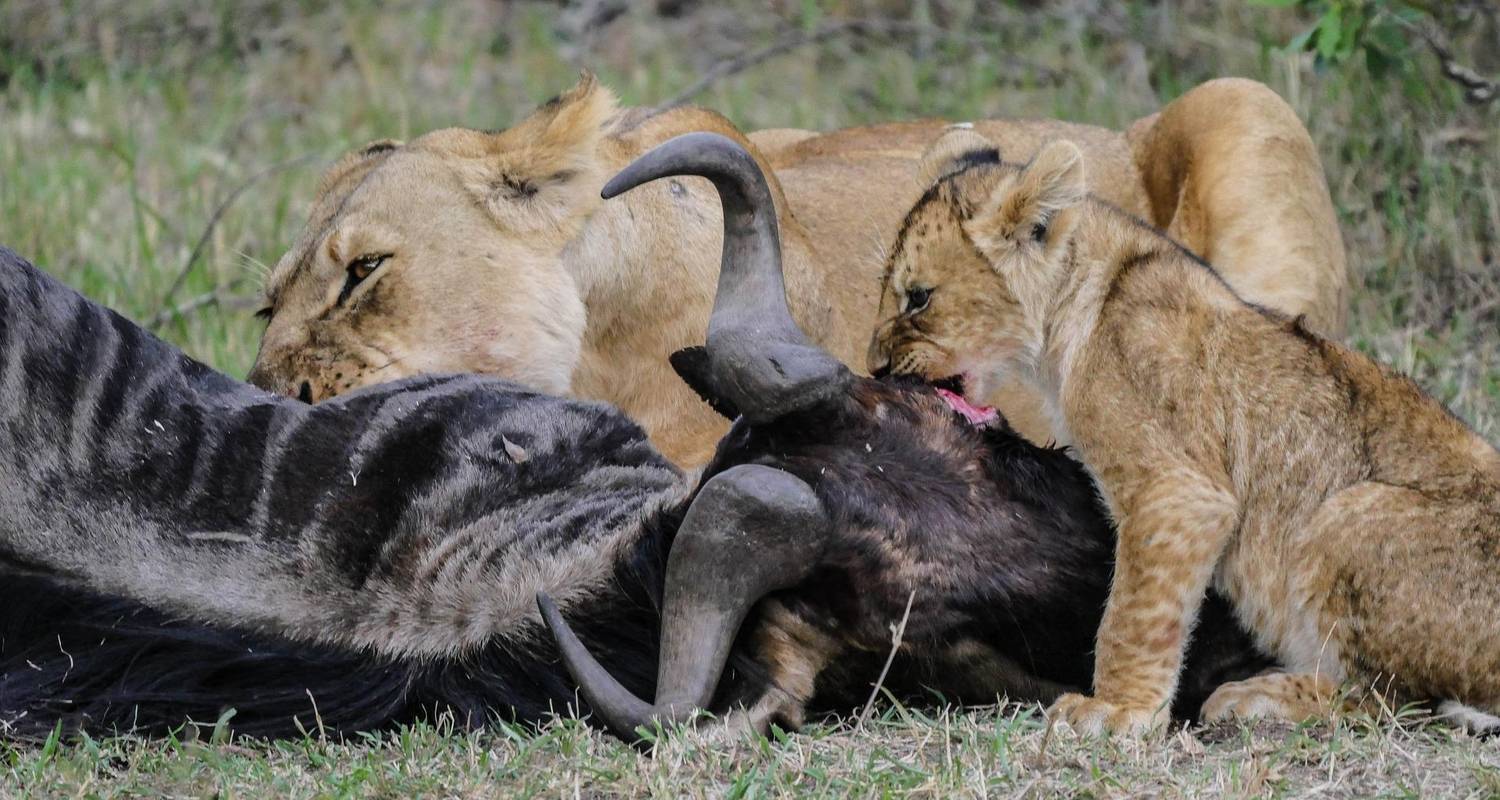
{"x": 196, "y": 543}
{"x": 174, "y": 543}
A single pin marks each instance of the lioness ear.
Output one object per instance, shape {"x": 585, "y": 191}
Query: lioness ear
{"x": 691, "y": 364}
{"x": 1038, "y": 205}
{"x": 534, "y": 174}
{"x": 958, "y": 147}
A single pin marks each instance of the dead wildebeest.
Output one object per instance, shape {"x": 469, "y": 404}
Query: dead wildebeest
{"x": 176, "y": 543}
{"x": 835, "y": 501}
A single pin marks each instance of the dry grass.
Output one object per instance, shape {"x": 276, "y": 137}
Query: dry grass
{"x": 984, "y": 752}
{"x": 134, "y": 135}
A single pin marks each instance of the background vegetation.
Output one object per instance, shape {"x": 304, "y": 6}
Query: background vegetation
{"x": 158, "y": 154}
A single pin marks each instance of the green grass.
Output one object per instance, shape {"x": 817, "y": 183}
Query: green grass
{"x": 974, "y": 753}
{"x": 131, "y": 131}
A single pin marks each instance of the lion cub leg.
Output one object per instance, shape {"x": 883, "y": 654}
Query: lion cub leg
{"x": 1171, "y": 537}
{"x": 1278, "y": 695}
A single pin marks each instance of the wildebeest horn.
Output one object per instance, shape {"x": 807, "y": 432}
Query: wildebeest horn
{"x": 750, "y": 531}
{"x": 761, "y": 362}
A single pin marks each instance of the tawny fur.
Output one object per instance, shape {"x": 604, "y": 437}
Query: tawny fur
{"x": 1351, "y": 519}
{"x": 503, "y": 260}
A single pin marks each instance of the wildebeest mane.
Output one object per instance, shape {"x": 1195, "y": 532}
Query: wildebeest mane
{"x": 100, "y": 663}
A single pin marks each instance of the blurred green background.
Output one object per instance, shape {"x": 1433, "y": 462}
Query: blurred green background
{"x": 159, "y": 154}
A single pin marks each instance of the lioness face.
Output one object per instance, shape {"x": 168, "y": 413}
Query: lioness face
{"x": 441, "y": 255}
{"x": 377, "y": 292}
{"x": 969, "y": 277}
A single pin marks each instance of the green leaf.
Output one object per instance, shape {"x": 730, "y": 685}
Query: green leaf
{"x": 1330, "y": 30}
{"x": 1379, "y": 63}
{"x": 1301, "y": 40}
{"x": 1350, "y": 34}
{"x": 1275, "y": 3}
{"x": 1386, "y": 36}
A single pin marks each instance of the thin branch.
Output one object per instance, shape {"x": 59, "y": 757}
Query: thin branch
{"x": 166, "y": 315}
{"x": 1478, "y": 90}
{"x": 797, "y": 39}
{"x": 215, "y": 299}
{"x": 751, "y": 58}
{"x": 897, "y": 631}
{"x": 213, "y": 223}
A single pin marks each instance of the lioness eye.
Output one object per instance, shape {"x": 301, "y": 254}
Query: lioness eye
{"x": 359, "y": 269}
{"x": 917, "y": 298}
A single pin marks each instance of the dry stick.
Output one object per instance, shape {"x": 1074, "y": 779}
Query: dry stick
{"x": 163, "y": 316}
{"x": 896, "y": 635}
{"x": 1041, "y": 752}
{"x": 750, "y": 58}
{"x": 1478, "y": 89}
{"x": 177, "y": 312}
{"x": 796, "y": 39}
{"x": 209, "y": 299}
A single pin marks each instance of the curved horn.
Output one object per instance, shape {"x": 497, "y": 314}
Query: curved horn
{"x": 752, "y": 530}
{"x": 760, "y": 361}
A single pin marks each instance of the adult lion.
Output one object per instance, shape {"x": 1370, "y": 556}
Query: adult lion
{"x": 466, "y": 250}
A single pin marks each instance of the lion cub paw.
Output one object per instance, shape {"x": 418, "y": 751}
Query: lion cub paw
{"x": 1092, "y": 716}
{"x": 1293, "y": 698}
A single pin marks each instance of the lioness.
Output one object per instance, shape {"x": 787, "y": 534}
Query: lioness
{"x": 1352, "y": 520}
{"x": 491, "y": 252}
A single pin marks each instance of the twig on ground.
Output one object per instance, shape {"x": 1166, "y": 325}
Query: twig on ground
{"x": 897, "y": 632}
{"x": 213, "y": 223}
{"x": 1041, "y": 751}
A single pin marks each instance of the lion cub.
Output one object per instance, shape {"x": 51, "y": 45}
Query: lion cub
{"x": 1352, "y": 520}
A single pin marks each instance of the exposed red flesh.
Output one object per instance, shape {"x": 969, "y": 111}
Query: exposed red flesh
{"x": 978, "y": 416}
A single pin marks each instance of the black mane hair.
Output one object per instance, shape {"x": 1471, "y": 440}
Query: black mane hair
{"x": 107, "y": 664}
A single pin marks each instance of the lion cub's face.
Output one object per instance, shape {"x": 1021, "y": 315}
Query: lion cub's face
{"x": 440, "y": 255}
{"x": 969, "y": 273}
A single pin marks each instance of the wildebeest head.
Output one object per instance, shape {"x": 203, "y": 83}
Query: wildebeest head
{"x": 839, "y": 500}
{"x": 734, "y": 545}
{"x": 805, "y": 439}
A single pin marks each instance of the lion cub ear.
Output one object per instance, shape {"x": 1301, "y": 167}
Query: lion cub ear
{"x": 535, "y": 174}
{"x": 1037, "y": 206}
{"x": 959, "y": 146}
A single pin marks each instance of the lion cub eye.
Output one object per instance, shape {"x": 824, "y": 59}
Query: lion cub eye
{"x": 359, "y": 269}
{"x": 917, "y": 298}
{"x": 1039, "y": 231}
